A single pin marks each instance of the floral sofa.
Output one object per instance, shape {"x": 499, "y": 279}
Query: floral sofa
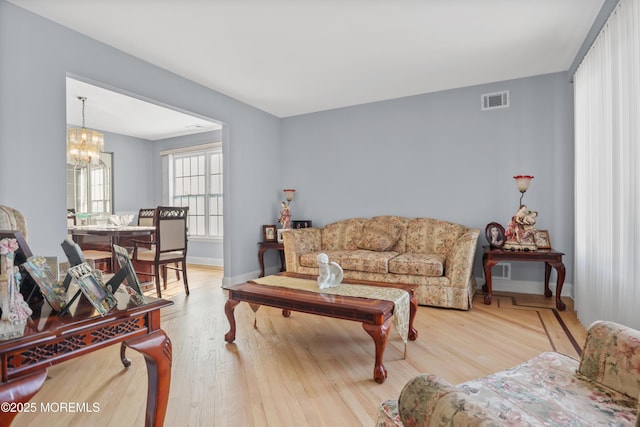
{"x": 436, "y": 255}
{"x": 551, "y": 389}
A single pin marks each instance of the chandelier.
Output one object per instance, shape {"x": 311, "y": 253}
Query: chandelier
{"x": 84, "y": 145}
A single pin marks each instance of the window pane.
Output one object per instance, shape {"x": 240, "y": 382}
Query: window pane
{"x": 193, "y": 185}
{"x": 200, "y": 192}
{"x": 213, "y": 206}
{"x": 200, "y": 205}
{"x": 216, "y": 188}
{"x": 216, "y": 164}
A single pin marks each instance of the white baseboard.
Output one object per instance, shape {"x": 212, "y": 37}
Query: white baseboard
{"x": 526, "y": 287}
{"x": 214, "y": 262}
{"x": 241, "y": 278}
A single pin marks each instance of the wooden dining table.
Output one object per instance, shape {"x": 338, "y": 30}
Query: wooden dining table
{"x": 118, "y": 235}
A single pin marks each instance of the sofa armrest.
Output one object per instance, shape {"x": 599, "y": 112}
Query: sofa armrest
{"x": 298, "y": 242}
{"x": 610, "y": 357}
{"x": 459, "y": 264}
{"x": 427, "y": 400}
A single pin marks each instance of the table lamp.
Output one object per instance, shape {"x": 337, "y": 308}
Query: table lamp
{"x": 522, "y": 181}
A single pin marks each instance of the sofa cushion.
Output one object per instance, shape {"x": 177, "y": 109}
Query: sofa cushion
{"x": 311, "y": 259}
{"x": 380, "y": 233}
{"x": 431, "y": 265}
{"x": 427, "y": 235}
{"x": 368, "y": 261}
{"x": 341, "y": 235}
{"x": 376, "y": 240}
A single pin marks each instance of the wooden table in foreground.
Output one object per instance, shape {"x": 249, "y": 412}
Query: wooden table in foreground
{"x": 550, "y": 258}
{"x": 374, "y": 314}
{"x": 50, "y": 339}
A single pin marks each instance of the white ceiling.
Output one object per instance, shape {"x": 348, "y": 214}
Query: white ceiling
{"x": 114, "y": 112}
{"x": 290, "y": 57}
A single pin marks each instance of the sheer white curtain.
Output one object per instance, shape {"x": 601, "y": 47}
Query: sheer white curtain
{"x": 607, "y": 180}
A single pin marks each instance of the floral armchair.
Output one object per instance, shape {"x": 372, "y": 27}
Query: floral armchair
{"x": 551, "y": 389}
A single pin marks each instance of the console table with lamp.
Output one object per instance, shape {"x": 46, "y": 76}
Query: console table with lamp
{"x": 506, "y": 247}
{"x": 272, "y": 241}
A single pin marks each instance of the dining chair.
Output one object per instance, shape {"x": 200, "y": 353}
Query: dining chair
{"x": 146, "y": 217}
{"x": 168, "y": 247}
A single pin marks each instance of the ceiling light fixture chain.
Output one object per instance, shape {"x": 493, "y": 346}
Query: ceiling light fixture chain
{"x": 83, "y": 99}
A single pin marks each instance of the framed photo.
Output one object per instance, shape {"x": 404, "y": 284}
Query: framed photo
{"x": 54, "y": 292}
{"x": 280, "y": 238}
{"x": 92, "y": 288}
{"x": 542, "y": 239}
{"x": 305, "y": 223}
{"x": 494, "y": 233}
{"x": 131, "y": 278}
{"x": 269, "y": 233}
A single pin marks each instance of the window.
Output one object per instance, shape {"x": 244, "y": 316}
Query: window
{"x": 195, "y": 181}
{"x": 89, "y": 186}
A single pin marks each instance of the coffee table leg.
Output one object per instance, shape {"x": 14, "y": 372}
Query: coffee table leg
{"x": 229, "y": 307}
{"x": 413, "y": 309}
{"x": 379, "y": 333}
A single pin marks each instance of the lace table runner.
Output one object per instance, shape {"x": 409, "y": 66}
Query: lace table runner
{"x": 399, "y": 297}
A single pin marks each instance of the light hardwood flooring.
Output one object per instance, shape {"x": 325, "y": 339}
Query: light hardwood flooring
{"x": 303, "y": 370}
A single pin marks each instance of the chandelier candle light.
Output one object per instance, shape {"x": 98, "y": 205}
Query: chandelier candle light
{"x": 522, "y": 181}
{"x": 84, "y": 145}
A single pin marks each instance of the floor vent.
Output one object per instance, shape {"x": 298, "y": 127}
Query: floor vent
{"x": 501, "y": 270}
{"x": 491, "y": 101}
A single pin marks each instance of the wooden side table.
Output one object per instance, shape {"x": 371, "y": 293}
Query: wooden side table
{"x": 551, "y": 259}
{"x": 50, "y": 339}
{"x": 265, "y": 246}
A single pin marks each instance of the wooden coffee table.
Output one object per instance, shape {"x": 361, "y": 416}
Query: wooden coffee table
{"x": 374, "y": 314}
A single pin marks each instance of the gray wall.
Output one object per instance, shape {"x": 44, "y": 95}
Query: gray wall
{"x": 132, "y": 167}
{"x": 438, "y": 155}
{"x": 36, "y": 57}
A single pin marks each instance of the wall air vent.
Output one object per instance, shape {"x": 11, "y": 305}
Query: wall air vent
{"x": 501, "y": 270}
{"x": 491, "y": 101}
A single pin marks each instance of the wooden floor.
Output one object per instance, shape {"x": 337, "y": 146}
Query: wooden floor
{"x": 299, "y": 371}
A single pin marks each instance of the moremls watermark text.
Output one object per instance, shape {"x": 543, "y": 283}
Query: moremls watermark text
{"x": 50, "y": 407}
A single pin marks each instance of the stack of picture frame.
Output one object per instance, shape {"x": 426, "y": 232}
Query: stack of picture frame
{"x": 89, "y": 282}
